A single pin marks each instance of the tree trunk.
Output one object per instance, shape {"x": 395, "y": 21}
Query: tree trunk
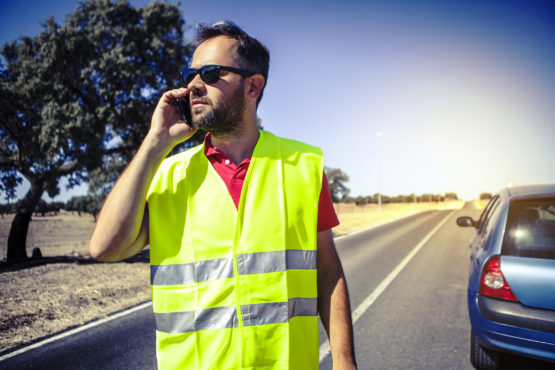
{"x": 17, "y": 240}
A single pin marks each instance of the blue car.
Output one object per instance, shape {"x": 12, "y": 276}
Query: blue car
{"x": 511, "y": 287}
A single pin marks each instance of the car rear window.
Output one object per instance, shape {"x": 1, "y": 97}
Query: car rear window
{"x": 530, "y": 230}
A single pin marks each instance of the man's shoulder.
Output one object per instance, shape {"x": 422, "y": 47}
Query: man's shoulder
{"x": 181, "y": 158}
{"x": 294, "y": 146}
{"x": 173, "y": 169}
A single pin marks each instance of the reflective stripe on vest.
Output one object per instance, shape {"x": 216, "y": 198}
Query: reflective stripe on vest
{"x": 249, "y": 263}
{"x": 226, "y": 317}
{"x": 194, "y": 272}
{"x": 263, "y": 262}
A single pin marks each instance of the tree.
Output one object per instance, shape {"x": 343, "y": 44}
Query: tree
{"x": 336, "y": 182}
{"x": 43, "y": 208}
{"x": 361, "y": 201}
{"x": 451, "y": 196}
{"x": 87, "y": 204}
{"x": 81, "y": 93}
{"x": 485, "y": 196}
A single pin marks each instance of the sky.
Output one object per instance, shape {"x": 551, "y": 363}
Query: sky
{"x": 403, "y": 96}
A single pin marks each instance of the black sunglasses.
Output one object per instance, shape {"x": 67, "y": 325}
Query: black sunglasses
{"x": 210, "y": 74}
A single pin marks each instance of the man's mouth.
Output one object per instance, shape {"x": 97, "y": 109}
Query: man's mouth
{"x": 197, "y": 102}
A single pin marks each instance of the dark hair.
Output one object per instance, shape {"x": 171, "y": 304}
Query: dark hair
{"x": 250, "y": 53}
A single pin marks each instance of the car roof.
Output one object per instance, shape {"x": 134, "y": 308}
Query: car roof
{"x": 529, "y": 191}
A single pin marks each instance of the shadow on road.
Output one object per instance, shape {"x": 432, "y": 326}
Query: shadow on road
{"x": 513, "y": 362}
{"x": 142, "y": 257}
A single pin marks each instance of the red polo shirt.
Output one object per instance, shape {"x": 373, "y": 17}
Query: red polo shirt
{"x": 234, "y": 177}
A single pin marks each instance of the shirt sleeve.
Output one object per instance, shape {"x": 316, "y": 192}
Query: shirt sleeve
{"x": 327, "y": 218}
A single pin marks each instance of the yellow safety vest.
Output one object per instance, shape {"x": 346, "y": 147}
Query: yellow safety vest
{"x": 236, "y": 288}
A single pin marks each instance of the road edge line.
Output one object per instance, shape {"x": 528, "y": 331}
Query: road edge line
{"x": 368, "y": 301}
{"x": 76, "y": 330}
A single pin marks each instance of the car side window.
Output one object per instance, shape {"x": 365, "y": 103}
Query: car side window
{"x": 486, "y": 214}
{"x": 486, "y": 225}
{"x": 494, "y": 215}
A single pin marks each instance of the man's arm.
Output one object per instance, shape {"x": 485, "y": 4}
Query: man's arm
{"x": 122, "y": 226}
{"x": 333, "y": 303}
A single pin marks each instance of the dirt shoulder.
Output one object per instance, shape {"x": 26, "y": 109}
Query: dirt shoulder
{"x": 67, "y": 288}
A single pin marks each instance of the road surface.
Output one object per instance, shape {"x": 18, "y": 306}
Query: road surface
{"x": 407, "y": 282}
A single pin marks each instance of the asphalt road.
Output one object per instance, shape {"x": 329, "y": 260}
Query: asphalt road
{"x": 419, "y": 321}
{"x": 124, "y": 343}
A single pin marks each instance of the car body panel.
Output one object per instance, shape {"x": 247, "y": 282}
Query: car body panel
{"x": 508, "y": 338}
{"x": 517, "y": 314}
{"x": 525, "y": 275}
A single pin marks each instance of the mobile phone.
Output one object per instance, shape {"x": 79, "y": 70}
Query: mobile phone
{"x": 184, "y": 108}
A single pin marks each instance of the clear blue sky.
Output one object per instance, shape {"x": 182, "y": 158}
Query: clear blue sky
{"x": 463, "y": 91}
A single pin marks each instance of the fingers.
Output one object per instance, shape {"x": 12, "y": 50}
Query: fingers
{"x": 167, "y": 123}
{"x": 175, "y": 93}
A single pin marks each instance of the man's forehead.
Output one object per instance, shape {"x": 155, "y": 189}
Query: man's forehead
{"x": 216, "y": 50}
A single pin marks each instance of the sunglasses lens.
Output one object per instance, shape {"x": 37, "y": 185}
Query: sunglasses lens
{"x": 188, "y": 75}
{"x": 210, "y": 74}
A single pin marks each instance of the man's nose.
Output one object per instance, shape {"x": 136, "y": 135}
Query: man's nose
{"x": 197, "y": 85}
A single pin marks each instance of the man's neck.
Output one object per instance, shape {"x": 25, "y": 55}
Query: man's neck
{"x": 237, "y": 146}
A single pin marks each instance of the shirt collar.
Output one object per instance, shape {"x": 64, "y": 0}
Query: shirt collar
{"x": 209, "y": 149}
{"x": 211, "y": 152}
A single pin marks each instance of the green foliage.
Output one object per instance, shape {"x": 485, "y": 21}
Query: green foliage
{"x": 485, "y": 196}
{"x": 430, "y": 198}
{"x": 8, "y": 208}
{"x": 336, "y": 182}
{"x": 403, "y": 199}
{"x": 43, "y": 208}
{"x": 451, "y": 196}
{"x": 361, "y": 201}
{"x": 84, "y": 204}
{"x": 411, "y": 198}
{"x": 70, "y": 90}
{"x": 66, "y": 93}
{"x": 81, "y": 94}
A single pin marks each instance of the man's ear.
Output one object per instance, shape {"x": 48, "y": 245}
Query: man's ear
{"x": 255, "y": 84}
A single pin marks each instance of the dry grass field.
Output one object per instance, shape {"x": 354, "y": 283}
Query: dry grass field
{"x": 66, "y": 288}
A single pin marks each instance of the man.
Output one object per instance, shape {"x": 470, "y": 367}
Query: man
{"x": 240, "y": 267}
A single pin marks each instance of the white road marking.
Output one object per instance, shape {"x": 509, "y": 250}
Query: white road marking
{"x": 76, "y": 330}
{"x": 368, "y": 301}
{"x": 375, "y": 226}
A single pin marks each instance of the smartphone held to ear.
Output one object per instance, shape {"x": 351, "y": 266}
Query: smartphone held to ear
{"x": 184, "y": 108}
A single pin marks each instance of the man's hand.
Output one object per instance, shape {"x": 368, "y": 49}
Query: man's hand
{"x": 167, "y": 128}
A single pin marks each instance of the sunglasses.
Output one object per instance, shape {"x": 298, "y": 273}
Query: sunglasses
{"x": 210, "y": 74}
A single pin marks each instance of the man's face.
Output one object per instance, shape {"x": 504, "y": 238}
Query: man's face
{"x": 219, "y": 107}
{"x": 223, "y": 116}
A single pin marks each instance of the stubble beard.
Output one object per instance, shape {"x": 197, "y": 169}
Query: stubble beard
{"x": 223, "y": 118}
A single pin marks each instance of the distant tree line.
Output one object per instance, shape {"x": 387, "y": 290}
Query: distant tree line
{"x": 42, "y": 208}
{"x": 86, "y": 204}
{"x": 411, "y": 198}
{"x": 340, "y": 192}
{"x": 82, "y": 204}
{"x": 485, "y": 196}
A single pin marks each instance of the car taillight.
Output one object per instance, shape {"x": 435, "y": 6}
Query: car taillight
{"x": 493, "y": 283}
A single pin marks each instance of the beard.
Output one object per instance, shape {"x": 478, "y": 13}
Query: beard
{"x": 224, "y": 117}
